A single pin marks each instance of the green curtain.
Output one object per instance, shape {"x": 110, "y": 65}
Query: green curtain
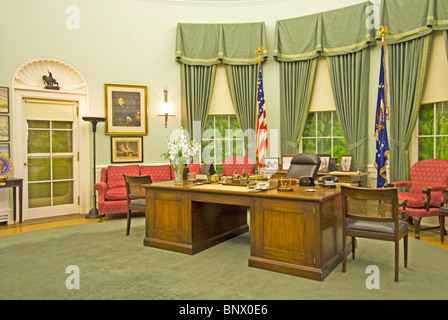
{"x": 296, "y": 87}
{"x": 407, "y": 72}
{"x": 410, "y": 25}
{"x": 349, "y": 76}
{"x": 242, "y": 82}
{"x": 199, "y": 48}
{"x": 344, "y": 36}
{"x": 197, "y": 83}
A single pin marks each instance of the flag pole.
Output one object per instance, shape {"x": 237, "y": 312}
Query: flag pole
{"x": 261, "y": 126}
{"x": 383, "y": 30}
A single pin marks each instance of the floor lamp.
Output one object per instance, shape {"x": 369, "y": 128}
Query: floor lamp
{"x": 93, "y": 213}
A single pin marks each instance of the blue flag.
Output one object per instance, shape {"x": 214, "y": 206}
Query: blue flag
{"x": 382, "y": 144}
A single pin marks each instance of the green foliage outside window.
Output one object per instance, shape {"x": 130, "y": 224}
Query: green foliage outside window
{"x": 323, "y": 135}
{"x": 433, "y": 131}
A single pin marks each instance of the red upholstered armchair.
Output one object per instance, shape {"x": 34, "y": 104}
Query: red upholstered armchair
{"x": 237, "y": 165}
{"x": 427, "y": 190}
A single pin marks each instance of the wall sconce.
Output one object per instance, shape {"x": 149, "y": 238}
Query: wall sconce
{"x": 166, "y": 106}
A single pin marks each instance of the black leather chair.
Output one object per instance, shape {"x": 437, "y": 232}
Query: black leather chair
{"x": 304, "y": 165}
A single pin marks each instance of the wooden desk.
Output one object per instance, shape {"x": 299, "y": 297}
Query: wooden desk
{"x": 14, "y": 183}
{"x": 297, "y": 233}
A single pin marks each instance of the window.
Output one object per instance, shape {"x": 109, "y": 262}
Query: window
{"x": 323, "y": 135}
{"x": 433, "y": 131}
{"x": 221, "y": 138}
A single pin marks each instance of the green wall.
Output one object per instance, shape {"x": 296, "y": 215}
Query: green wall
{"x": 133, "y": 42}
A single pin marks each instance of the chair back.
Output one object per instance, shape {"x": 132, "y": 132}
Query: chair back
{"x": 134, "y": 186}
{"x": 429, "y": 173}
{"x": 303, "y": 165}
{"x": 370, "y": 204}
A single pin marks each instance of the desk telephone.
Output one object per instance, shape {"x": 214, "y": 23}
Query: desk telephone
{"x": 328, "y": 181}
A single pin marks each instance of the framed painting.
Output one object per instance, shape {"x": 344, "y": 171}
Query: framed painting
{"x": 4, "y": 149}
{"x": 4, "y": 100}
{"x": 126, "y": 149}
{"x": 286, "y": 161}
{"x": 346, "y": 163}
{"x": 271, "y": 164}
{"x": 4, "y": 128}
{"x": 324, "y": 162}
{"x": 126, "y": 109}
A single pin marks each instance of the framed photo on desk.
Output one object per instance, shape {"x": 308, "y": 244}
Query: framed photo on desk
{"x": 286, "y": 161}
{"x": 270, "y": 164}
{"x": 324, "y": 162}
{"x": 346, "y": 163}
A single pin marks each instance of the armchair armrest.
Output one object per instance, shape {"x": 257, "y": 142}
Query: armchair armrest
{"x": 428, "y": 191}
{"x": 399, "y": 184}
{"x": 101, "y": 187}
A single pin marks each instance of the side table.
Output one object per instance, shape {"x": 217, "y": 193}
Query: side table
{"x": 14, "y": 183}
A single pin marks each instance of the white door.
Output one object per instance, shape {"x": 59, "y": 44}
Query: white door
{"x": 51, "y": 183}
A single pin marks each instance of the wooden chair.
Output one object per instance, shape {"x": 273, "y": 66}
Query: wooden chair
{"x": 135, "y": 195}
{"x": 372, "y": 213}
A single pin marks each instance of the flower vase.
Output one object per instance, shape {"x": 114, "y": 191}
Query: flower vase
{"x": 178, "y": 173}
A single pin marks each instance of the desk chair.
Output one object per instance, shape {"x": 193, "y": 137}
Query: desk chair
{"x": 303, "y": 165}
{"x": 135, "y": 195}
{"x": 372, "y": 213}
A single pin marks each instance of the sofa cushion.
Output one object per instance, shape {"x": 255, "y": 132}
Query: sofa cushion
{"x": 115, "y": 175}
{"x": 157, "y": 172}
{"x": 116, "y": 194}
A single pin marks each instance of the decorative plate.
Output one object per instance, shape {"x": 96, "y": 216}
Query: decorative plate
{"x": 6, "y": 166}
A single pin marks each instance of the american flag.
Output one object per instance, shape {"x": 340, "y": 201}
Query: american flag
{"x": 382, "y": 144}
{"x": 262, "y": 127}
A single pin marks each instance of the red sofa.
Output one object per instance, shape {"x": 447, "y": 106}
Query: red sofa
{"x": 112, "y": 190}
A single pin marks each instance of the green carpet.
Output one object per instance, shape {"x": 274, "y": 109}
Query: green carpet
{"x": 114, "y": 266}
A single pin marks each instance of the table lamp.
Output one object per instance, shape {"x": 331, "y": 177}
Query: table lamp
{"x": 93, "y": 213}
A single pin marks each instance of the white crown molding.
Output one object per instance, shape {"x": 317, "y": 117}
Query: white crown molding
{"x": 29, "y": 75}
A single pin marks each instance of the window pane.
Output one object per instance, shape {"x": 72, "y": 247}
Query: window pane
{"x": 310, "y": 125}
{"x": 442, "y": 148}
{"x": 62, "y": 124}
{"x": 442, "y": 119}
{"x": 309, "y": 145}
{"x": 62, "y": 168}
{"x": 41, "y": 141}
{"x": 426, "y": 120}
{"x": 39, "y": 195}
{"x": 35, "y": 124}
{"x": 208, "y": 151}
{"x": 39, "y": 169}
{"x": 324, "y": 124}
{"x": 425, "y": 148}
{"x": 62, "y": 141}
{"x": 221, "y": 124}
{"x": 209, "y": 126}
{"x": 339, "y": 148}
{"x": 62, "y": 193}
{"x": 337, "y": 129}
{"x": 324, "y": 146}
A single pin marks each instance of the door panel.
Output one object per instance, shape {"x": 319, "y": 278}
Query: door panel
{"x": 51, "y": 186}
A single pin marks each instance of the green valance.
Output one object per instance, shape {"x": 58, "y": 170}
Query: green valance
{"x": 411, "y": 19}
{"x": 329, "y": 33}
{"x": 209, "y": 44}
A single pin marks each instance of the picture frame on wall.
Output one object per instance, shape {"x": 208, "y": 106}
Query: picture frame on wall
{"x": 271, "y": 164}
{"x": 4, "y": 128}
{"x": 126, "y": 149}
{"x": 126, "y": 109}
{"x": 324, "y": 162}
{"x": 4, "y": 100}
{"x": 286, "y": 161}
{"x": 4, "y": 149}
{"x": 345, "y": 164}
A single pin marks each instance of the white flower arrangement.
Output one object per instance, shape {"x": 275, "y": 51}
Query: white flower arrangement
{"x": 180, "y": 150}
